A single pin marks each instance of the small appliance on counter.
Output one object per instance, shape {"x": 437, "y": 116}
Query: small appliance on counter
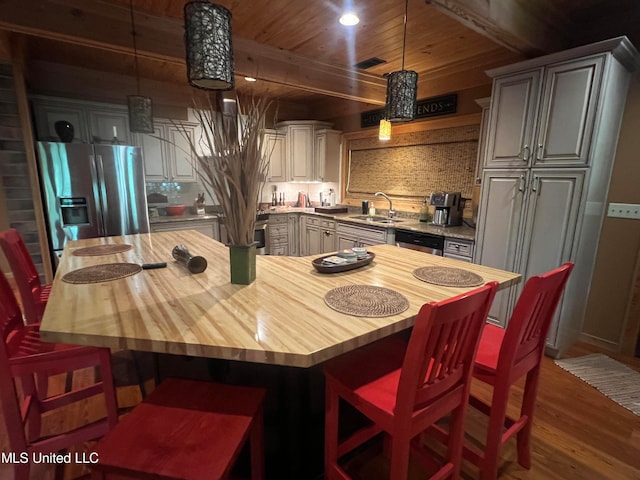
{"x": 448, "y": 208}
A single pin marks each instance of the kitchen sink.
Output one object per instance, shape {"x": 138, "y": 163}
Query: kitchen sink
{"x": 377, "y": 219}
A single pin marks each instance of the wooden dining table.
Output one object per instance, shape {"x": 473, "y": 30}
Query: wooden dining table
{"x": 281, "y": 318}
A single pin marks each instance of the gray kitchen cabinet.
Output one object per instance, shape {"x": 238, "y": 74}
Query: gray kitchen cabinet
{"x": 499, "y": 228}
{"x": 318, "y": 235}
{"x": 308, "y": 146}
{"x": 458, "y": 249}
{"x": 278, "y": 232}
{"x": 209, "y": 227}
{"x": 166, "y": 152}
{"x": 293, "y": 220}
{"x": 48, "y": 111}
{"x": 545, "y": 116}
{"x": 275, "y": 147}
{"x": 553, "y": 131}
{"x": 106, "y": 121}
{"x": 350, "y": 235}
{"x": 327, "y": 154}
{"x": 528, "y": 224}
{"x": 93, "y": 122}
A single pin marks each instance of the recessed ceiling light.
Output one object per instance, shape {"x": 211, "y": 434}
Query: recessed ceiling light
{"x": 250, "y": 79}
{"x": 349, "y": 19}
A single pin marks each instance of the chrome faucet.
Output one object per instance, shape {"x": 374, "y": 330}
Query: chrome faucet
{"x": 392, "y": 212}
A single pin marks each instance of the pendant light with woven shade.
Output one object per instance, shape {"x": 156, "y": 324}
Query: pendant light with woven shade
{"x": 402, "y": 87}
{"x": 140, "y": 108}
{"x": 207, "y": 38}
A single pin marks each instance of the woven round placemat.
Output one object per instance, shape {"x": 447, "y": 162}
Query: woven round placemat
{"x": 448, "y": 276}
{"x": 102, "y": 250}
{"x": 366, "y": 301}
{"x": 102, "y": 273}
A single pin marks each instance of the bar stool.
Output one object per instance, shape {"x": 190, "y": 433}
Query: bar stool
{"x": 23, "y": 359}
{"x": 507, "y": 355}
{"x": 187, "y": 430}
{"x": 403, "y": 389}
{"x": 33, "y": 294}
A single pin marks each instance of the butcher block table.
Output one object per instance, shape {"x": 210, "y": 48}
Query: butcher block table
{"x": 279, "y": 319}
{"x": 256, "y": 334}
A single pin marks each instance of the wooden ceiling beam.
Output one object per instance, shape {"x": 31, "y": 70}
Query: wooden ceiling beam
{"x": 509, "y": 23}
{"x": 106, "y": 26}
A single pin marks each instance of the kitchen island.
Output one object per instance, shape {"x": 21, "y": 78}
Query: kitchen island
{"x": 258, "y": 334}
{"x": 280, "y": 319}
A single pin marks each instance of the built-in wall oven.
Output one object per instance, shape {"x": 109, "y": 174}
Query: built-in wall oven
{"x": 424, "y": 242}
{"x": 259, "y": 235}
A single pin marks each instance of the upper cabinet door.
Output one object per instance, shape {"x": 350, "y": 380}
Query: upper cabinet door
{"x": 109, "y": 126}
{"x": 301, "y": 146}
{"x": 48, "y": 113}
{"x": 275, "y": 148}
{"x": 568, "y": 111}
{"x": 513, "y": 113}
{"x": 155, "y": 161}
{"x": 183, "y": 163}
{"x": 327, "y": 154}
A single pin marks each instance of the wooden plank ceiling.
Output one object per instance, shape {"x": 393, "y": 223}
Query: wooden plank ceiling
{"x": 299, "y": 51}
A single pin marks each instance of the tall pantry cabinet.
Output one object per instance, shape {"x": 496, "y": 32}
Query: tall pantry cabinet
{"x": 553, "y": 129}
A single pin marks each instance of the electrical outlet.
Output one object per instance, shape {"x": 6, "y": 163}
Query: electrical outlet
{"x": 624, "y": 210}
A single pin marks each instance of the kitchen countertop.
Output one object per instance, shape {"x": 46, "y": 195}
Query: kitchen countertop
{"x": 461, "y": 232}
{"x": 187, "y": 217}
{"x": 279, "y": 319}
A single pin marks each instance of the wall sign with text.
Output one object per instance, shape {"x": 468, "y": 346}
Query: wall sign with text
{"x": 429, "y": 107}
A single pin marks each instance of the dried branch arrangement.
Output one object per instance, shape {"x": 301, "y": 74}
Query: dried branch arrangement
{"x": 237, "y": 167}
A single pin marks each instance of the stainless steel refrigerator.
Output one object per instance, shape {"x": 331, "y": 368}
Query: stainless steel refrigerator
{"x": 92, "y": 191}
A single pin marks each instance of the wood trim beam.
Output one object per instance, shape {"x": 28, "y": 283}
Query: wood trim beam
{"x": 105, "y": 26}
{"x": 509, "y": 23}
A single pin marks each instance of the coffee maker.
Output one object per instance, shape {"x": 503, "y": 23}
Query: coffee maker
{"x": 448, "y": 212}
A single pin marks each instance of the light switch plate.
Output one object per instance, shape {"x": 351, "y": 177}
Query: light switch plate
{"x": 624, "y": 210}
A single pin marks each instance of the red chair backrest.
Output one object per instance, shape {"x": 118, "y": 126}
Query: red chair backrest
{"x": 443, "y": 344}
{"x": 524, "y": 340}
{"x": 10, "y": 314}
{"x": 24, "y": 271}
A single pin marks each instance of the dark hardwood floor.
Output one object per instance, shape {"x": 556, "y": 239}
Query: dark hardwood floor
{"x": 578, "y": 433}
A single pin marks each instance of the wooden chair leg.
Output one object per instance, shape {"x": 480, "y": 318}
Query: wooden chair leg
{"x": 109, "y": 388}
{"x": 21, "y": 471}
{"x": 331, "y": 433}
{"x": 256, "y": 443}
{"x": 528, "y": 407}
{"x": 456, "y": 440}
{"x": 400, "y": 449}
{"x": 489, "y": 467}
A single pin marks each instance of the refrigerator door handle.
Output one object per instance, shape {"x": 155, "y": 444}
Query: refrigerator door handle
{"x": 102, "y": 212}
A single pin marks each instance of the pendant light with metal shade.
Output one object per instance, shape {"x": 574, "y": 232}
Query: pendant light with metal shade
{"x": 207, "y": 38}
{"x": 140, "y": 108}
{"x": 402, "y": 87}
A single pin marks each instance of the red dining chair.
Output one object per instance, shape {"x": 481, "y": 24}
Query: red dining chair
{"x": 33, "y": 294}
{"x": 507, "y": 355}
{"x": 187, "y": 430}
{"x": 403, "y": 388}
{"x": 22, "y": 357}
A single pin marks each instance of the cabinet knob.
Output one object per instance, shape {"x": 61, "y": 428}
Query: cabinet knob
{"x": 525, "y": 154}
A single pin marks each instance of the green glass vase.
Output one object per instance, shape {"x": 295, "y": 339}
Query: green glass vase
{"x": 242, "y": 263}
